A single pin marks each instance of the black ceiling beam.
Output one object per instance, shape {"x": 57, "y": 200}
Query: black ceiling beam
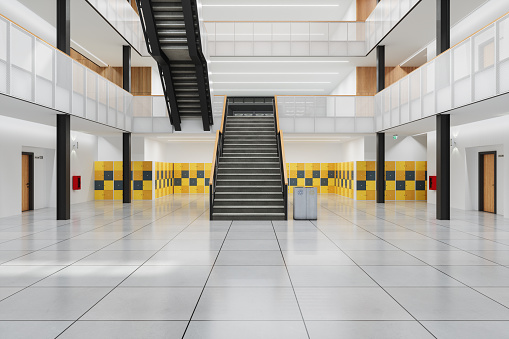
{"x": 190, "y": 11}
{"x": 148, "y": 24}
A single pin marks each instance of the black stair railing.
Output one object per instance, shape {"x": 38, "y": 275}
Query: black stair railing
{"x": 148, "y": 24}
{"x": 218, "y": 151}
{"x": 281, "y": 153}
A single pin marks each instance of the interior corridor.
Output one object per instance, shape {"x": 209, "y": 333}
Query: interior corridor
{"x": 162, "y": 270}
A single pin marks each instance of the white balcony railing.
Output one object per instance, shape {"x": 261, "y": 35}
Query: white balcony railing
{"x": 326, "y": 114}
{"x": 150, "y": 115}
{"x": 34, "y": 71}
{"x": 346, "y": 38}
{"x": 125, "y": 20}
{"x": 474, "y": 70}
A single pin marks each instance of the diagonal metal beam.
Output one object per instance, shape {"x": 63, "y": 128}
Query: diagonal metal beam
{"x": 148, "y": 24}
{"x": 189, "y": 9}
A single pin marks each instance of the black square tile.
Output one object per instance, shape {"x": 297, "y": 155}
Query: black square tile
{"x": 185, "y": 174}
{"x": 409, "y": 175}
{"x": 390, "y": 175}
{"x": 324, "y": 182}
{"x": 370, "y": 175}
{"x": 207, "y": 181}
{"x": 138, "y": 185}
{"x": 316, "y": 174}
{"x": 361, "y": 185}
{"x": 108, "y": 175}
{"x": 331, "y": 174}
{"x": 420, "y": 185}
{"x": 177, "y": 182}
{"x": 147, "y": 175}
{"x": 301, "y": 174}
{"x": 293, "y": 181}
{"x": 200, "y": 174}
{"x": 400, "y": 186}
{"x": 99, "y": 185}
{"x": 309, "y": 182}
{"x": 118, "y": 185}
{"x": 193, "y": 182}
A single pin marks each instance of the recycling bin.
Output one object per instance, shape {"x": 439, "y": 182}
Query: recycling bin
{"x": 305, "y": 203}
{"x": 299, "y": 203}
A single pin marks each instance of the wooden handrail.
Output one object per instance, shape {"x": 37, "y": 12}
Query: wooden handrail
{"x": 285, "y": 174}
{"x": 213, "y": 168}
{"x": 277, "y": 116}
{"x": 224, "y": 112}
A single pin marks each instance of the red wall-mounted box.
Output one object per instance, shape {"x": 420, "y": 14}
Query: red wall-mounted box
{"x": 432, "y": 182}
{"x": 76, "y": 182}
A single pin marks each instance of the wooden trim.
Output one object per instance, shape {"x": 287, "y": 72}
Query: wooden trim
{"x": 277, "y": 116}
{"x": 365, "y": 8}
{"x": 285, "y": 174}
{"x": 481, "y": 180}
{"x": 31, "y": 178}
{"x": 213, "y": 168}
{"x": 222, "y": 118}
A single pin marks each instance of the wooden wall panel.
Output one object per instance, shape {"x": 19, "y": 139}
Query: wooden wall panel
{"x": 133, "y": 5}
{"x": 141, "y": 77}
{"x": 364, "y": 9}
{"x": 366, "y": 78}
{"x": 141, "y": 81}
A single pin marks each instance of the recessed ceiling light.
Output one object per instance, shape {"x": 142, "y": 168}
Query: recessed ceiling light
{"x": 271, "y": 82}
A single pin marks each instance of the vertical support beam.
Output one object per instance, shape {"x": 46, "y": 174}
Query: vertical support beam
{"x": 443, "y": 25}
{"x": 126, "y": 167}
{"x": 380, "y": 168}
{"x": 63, "y": 167}
{"x": 126, "y": 67}
{"x": 64, "y": 26}
{"x": 380, "y": 68}
{"x": 443, "y": 167}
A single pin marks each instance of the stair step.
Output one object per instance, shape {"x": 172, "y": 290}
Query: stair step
{"x": 251, "y": 190}
{"x": 248, "y": 216}
{"x": 248, "y": 202}
{"x": 244, "y": 182}
{"x": 249, "y": 209}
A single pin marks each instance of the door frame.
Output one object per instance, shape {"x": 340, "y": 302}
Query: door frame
{"x": 30, "y": 178}
{"x": 481, "y": 180}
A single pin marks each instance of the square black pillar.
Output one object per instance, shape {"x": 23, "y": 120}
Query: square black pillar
{"x": 63, "y": 167}
{"x": 126, "y": 67}
{"x": 443, "y": 167}
{"x": 64, "y": 26}
{"x": 126, "y": 167}
{"x": 443, "y": 25}
{"x": 380, "y": 168}
{"x": 380, "y": 68}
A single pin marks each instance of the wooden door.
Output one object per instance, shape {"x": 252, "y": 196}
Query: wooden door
{"x": 25, "y": 182}
{"x": 489, "y": 183}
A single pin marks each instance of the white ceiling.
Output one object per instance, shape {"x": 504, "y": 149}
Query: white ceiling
{"x": 95, "y": 37}
{"x": 275, "y": 10}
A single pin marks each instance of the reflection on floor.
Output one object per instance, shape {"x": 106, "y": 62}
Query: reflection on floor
{"x": 162, "y": 270}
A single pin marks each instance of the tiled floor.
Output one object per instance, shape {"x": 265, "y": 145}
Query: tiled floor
{"x": 163, "y": 270}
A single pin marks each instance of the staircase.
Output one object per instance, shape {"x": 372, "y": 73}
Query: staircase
{"x": 248, "y": 185}
{"x": 173, "y": 38}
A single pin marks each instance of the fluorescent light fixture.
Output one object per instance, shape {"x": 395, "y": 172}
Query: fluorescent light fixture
{"x": 91, "y": 54}
{"x": 269, "y": 89}
{"x": 261, "y": 5}
{"x": 274, "y": 61}
{"x": 242, "y": 73}
{"x": 270, "y": 82}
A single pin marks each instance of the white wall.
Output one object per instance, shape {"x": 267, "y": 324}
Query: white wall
{"x": 490, "y": 11}
{"x": 405, "y": 148}
{"x": 109, "y": 148}
{"x": 157, "y": 87}
{"x": 351, "y": 12}
{"x": 156, "y": 151}
{"x": 487, "y": 135}
{"x": 311, "y": 152}
{"x": 348, "y": 86}
{"x": 191, "y": 152}
{"x": 17, "y": 136}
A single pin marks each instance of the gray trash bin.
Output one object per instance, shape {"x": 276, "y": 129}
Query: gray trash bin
{"x": 311, "y": 203}
{"x": 299, "y": 203}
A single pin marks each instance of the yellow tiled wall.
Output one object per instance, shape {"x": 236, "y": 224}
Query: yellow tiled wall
{"x": 109, "y": 180}
{"x": 163, "y": 179}
{"x": 321, "y": 176}
{"x": 345, "y": 184}
{"x": 191, "y": 178}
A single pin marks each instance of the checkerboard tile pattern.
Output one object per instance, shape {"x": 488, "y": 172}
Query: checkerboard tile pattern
{"x": 406, "y": 180}
{"x": 163, "y": 179}
{"x": 109, "y": 182}
{"x": 321, "y": 176}
{"x": 345, "y": 184}
{"x": 366, "y": 180}
{"x": 191, "y": 177}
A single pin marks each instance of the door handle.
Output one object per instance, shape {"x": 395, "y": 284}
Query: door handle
{"x": 28, "y": 185}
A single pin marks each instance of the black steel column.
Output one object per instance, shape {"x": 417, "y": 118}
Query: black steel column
{"x": 126, "y": 67}
{"x": 380, "y": 68}
{"x": 443, "y": 167}
{"x": 380, "y": 167}
{"x": 64, "y": 26}
{"x": 126, "y": 167}
{"x": 443, "y": 25}
{"x": 63, "y": 167}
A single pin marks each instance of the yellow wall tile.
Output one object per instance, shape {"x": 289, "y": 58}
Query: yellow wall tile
{"x": 410, "y": 185}
{"x": 400, "y": 165}
{"x": 361, "y": 165}
{"x": 118, "y": 195}
{"x": 370, "y": 165}
{"x": 99, "y": 195}
{"x": 118, "y": 166}
{"x": 370, "y": 185}
{"x": 390, "y": 185}
{"x": 390, "y": 165}
{"x": 108, "y": 185}
{"x": 421, "y": 166}
{"x": 400, "y": 195}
